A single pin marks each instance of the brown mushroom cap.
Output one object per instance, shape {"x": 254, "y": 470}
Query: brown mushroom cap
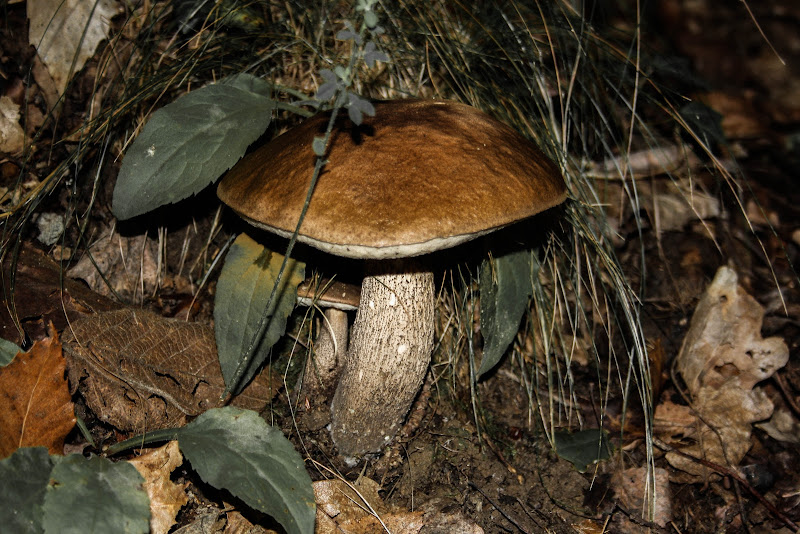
{"x": 420, "y": 176}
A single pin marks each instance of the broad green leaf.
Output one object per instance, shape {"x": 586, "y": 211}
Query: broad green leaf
{"x": 245, "y": 284}
{"x": 7, "y": 351}
{"x": 23, "y": 481}
{"x": 583, "y": 448}
{"x": 95, "y": 495}
{"x": 506, "y": 288}
{"x": 188, "y": 144}
{"x": 237, "y": 450}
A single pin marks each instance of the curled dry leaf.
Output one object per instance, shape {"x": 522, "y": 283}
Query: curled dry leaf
{"x": 670, "y": 203}
{"x": 140, "y": 371}
{"x": 37, "y": 407}
{"x": 782, "y": 426}
{"x": 166, "y": 497}
{"x": 722, "y": 358}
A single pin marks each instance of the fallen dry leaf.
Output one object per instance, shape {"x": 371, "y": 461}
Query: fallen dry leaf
{"x": 722, "y": 358}
{"x": 782, "y": 426}
{"x": 342, "y": 510}
{"x": 740, "y": 119}
{"x": 66, "y": 33}
{"x": 140, "y": 371}
{"x": 37, "y": 407}
{"x": 41, "y": 295}
{"x": 12, "y": 137}
{"x": 631, "y": 491}
{"x": 128, "y": 264}
{"x": 674, "y": 422}
{"x": 239, "y": 524}
{"x": 166, "y": 497}
{"x": 670, "y": 203}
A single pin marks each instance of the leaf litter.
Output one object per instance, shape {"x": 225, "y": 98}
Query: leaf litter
{"x": 37, "y": 405}
{"x": 140, "y": 371}
{"x": 783, "y": 108}
{"x": 722, "y": 360}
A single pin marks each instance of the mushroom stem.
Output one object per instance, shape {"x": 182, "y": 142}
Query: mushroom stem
{"x": 390, "y": 351}
{"x": 323, "y": 365}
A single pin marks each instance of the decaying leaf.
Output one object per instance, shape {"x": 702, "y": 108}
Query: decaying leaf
{"x": 632, "y": 492}
{"x": 12, "y": 137}
{"x": 674, "y": 422}
{"x": 166, "y": 497}
{"x": 66, "y": 33}
{"x": 722, "y": 358}
{"x": 140, "y": 371}
{"x": 37, "y": 407}
{"x": 239, "y": 524}
{"x": 342, "y": 509}
{"x": 129, "y": 265}
{"x": 40, "y": 296}
{"x": 670, "y": 204}
{"x": 782, "y": 426}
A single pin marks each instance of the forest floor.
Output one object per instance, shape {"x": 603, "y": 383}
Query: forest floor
{"x": 501, "y": 474}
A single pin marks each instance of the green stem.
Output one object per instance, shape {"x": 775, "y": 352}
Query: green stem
{"x": 154, "y": 436}
{"x": 245, "y": 361}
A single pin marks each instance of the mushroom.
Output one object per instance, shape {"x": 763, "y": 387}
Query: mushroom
{"x": 335, "y": 298}
{"x": 418, "y": 177}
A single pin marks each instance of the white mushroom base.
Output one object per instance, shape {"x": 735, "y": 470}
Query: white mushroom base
{"x": 390, "y": 351}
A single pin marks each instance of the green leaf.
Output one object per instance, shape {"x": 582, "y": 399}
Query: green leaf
{"x": 583, "y": 448}
{"x": 188, "y": 144}
{"x": 506, "y": 288}
{"x": 95, "y": 495}
{"x": 23, "y": 481}
{"x": 7, "y": 351}
{"x": 245, "y": 283}
{"x": 237, "y": 450}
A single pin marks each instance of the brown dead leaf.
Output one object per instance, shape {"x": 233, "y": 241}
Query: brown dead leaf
{"x": 37, "y": 407}
{"x": 238, "y": 524}
{"x": 140, "y": 371}
{"x": 782, "y": 426}
{"x": 41, "y": 295}
{"x": 722, "y": 358}
{"x": 674, "y": 422}
{"x": 670, "y": 203}
{"x": 66, "y": 33}
{"x": 740, "y": 119}
{"x": 129, "y": 264}
{"x": 166, "y": 497}
{"x": 12, "y": 137}
{"x": 631, "y": 491}
{"x": 343, "y": 510}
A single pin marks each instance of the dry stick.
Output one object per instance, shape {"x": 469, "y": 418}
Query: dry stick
{"x": 790, "y": 399}
{"x": 497, "y": 507}
{"x": 721, "y": 469}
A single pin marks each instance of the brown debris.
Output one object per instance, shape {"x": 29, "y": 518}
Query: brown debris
{"x": 140, "y": 371}
{"x": 722, "y": 359}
